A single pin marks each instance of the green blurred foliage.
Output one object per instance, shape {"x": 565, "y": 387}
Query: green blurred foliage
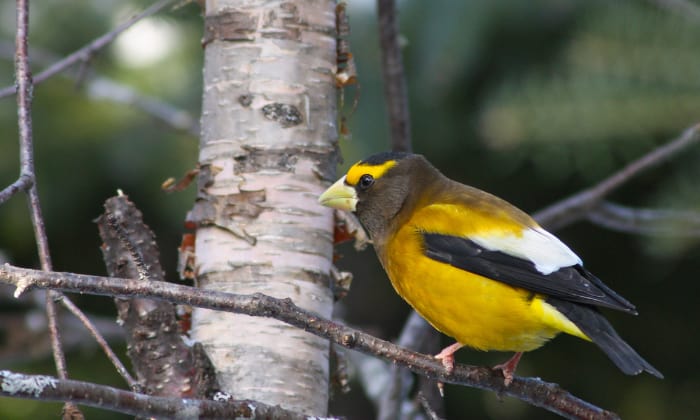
{"x": 530, "y": 100}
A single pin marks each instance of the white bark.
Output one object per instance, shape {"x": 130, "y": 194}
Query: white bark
{"x": 268, "y": 139}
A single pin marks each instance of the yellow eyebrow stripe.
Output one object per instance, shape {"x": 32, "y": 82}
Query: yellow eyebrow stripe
{"x": 361, "y": 168}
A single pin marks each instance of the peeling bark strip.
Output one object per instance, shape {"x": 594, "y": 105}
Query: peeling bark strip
{"x": 256, "y": 160}
{"x": 268, "y": 148}
{"x": 229, "y": 26}
{"x": 282, "y": 22}
{"x": 164, "y": 364}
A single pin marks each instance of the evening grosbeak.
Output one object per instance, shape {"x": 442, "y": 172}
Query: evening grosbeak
{"x": 476, "y": 267}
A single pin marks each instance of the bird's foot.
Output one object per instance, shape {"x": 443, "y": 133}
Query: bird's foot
{"x": 508, "y": 368}
{"x": 447, "y": 357}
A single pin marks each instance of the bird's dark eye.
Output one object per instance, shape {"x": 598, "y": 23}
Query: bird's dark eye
{"x": 365, "y": 182}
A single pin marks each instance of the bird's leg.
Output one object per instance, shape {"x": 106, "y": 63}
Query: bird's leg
{"x": 508, "y": 368}
{"x": 447, "y": 357}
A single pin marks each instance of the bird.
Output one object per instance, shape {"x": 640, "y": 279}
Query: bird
{"x": 476, "y": 267}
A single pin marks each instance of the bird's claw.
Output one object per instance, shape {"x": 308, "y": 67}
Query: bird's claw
{"x": 508, "y": 368}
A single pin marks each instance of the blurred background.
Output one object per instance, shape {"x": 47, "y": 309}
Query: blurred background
{"x": 532, "y": 101}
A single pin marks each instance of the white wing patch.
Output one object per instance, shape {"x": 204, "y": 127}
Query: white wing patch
{"x": 545, "y": 250}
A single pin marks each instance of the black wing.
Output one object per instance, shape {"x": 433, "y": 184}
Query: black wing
{"x": 574, "y": 284}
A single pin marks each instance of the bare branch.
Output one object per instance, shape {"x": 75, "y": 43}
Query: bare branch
{"x": 58, "y": 356}
{"x": 24, "y": 120}
{"x": 23, "y": 183}
{"x": 396, "y": 99}
{"x": 104, "y": 88}
{"x": 164, "y": 363}
{"x": 684, "y": 8}
{"x": 47, "y": 388}
{"x": 85, "y": 53}
{"x": 395, "y": 91}
{"x": 26, "y": 340}
{"x": 24, "y": 86}
{"x": 118, "y": 365}
{"x": 24, "y": 99}
{"x": 646, "y": 221}
{"x": 426, "y": 406}
{"x": 576, "y": 207}
{"x": 531, "y": 390}
{"x": 415, "y": 332}
{"x": 69, "y": 411}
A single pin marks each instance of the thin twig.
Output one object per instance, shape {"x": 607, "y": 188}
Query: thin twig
{"x": 414, "y": 333}
{"x": 59, "y": 357}
{"x": 85, "y": 53}
{"x": 107, "y": 89}
{"x": 396, "y": 99}
{"x": 121, "y": 369}
{"x": 37, "y": 219}
{"x": 22, "y": 184}
{"x": 25, "y": 344}
{"x": 531, "y": 390}
{"x": 100, "y": 87}
{"x": 576, "y": 207}
{"x": 684, "y": 8}
{"x": 47, "y": 388}
{"x": 395, "y": 92}
{"x": 25, "y": 87}
{"x": 646, "y": 221}
{"x": 426, "y": 407}
{"x": 24, "y": 121}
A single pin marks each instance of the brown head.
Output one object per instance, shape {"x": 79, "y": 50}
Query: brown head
{"x": 383, "y": 189}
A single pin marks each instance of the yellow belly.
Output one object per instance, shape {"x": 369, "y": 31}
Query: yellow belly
{"x": 476, "y": 311}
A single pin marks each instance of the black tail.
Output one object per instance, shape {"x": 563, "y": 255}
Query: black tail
{"x": 598, "y": 329}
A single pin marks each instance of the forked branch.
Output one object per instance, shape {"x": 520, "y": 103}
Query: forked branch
{"x": 534, "y": 391}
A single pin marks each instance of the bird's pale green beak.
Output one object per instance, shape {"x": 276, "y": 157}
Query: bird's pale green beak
{"x": 339, "y": 196}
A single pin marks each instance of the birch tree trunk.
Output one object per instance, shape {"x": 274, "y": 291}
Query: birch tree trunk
{"x": 268, "y": 146}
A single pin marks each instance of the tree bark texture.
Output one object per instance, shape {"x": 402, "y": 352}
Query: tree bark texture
{"x": 268, "y": 147}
